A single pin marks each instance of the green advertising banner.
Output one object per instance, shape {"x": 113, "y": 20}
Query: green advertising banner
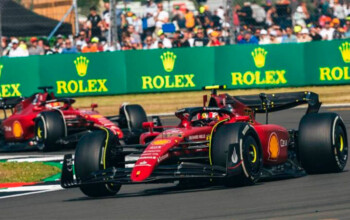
{"x": 169, "y": 70}
{"x": 19, "y": 76}
{"x": 183, "y": 69}
{"x": 84, "y": 74}
{"x": 263, "y": 66}
{"x": 327, "y": 63}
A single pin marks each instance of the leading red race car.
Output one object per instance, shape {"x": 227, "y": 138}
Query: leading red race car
{"x": 221, "y": 141}
{"x": 47, "y": 122}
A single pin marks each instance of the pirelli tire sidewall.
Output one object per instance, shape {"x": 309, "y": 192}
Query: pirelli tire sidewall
{"x": 322, "y": 143}
{"x": 49, "y": 127}
{"x": 90, "y": 156}
{"x": 230, "y": 148}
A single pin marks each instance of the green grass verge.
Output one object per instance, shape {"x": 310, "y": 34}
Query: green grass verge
{"x": 11, "y": 172}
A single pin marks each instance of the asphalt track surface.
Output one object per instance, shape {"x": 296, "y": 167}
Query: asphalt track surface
{"x": 324, "y": 196}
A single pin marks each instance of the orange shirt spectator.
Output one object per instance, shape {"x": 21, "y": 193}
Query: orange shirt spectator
{"x": 190, "y": 21}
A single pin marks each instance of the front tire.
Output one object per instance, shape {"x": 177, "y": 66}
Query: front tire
{"x": 49, "y": 127}
{"x": 322, "y": 143}
{"x": 94, "y": 154}
{"x": 237, "y": 148}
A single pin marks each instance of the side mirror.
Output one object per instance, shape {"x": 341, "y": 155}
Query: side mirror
{"x": 148, "y": 125}
{"x": 93, "y": 106}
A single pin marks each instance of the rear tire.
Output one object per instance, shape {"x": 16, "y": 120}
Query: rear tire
{"x": 322, "y": 143}
{"x": 49, "y": 127}
{"x": 131, "y": 118}
{"x": 237, "y": 148}
{"x": 88, "y": 157}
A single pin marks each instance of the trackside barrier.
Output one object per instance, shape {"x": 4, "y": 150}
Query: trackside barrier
{"x": 183, "y": 69}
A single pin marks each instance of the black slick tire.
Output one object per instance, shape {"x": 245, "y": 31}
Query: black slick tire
{"x": 237, "y": 148}
{"x": 49, "y": 127}
{"x": 93, "y": 153}
{"x": 322, "y": 143}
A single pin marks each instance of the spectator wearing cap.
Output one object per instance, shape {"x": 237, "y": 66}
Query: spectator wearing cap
{"x": 91, "y": 46}
{"x": 304, "y": 36}
{"x": 264, "y": 38}
{"x": 274, "y": 39}
{"x": 289, "y": 37}
{"x": 17, "y": 51}
{"x": 94, "y": 21}
{"x": 166, "y": 42}
{"x": 327, "y": 32}
{"x": 69, "y": 48}
{"x": 248, "y": 38}
{"x": 214, "y": 39}
{"x": 34, "y": 49}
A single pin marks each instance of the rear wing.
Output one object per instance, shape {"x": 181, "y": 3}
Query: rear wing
{"x": 280, "y": 101}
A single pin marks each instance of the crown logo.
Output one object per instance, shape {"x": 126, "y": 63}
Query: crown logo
{"x": 259, "y": 56}
{"x": 1, "y": 66}
{"x": 168, "y": 59}
{"x": 81, "y": 64}
{"x": 345, "y": 51}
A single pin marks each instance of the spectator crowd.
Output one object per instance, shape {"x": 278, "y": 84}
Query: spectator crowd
{"x": 287, "y": 21}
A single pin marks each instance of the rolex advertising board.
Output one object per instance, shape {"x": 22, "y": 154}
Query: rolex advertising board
{"x": 259, "y": 66}
{"x": 182, "y": 69}
{"x": 169, "y": 70}
{"x": 84, "y": 74}
{"x": 19, "y": 76}
{"x": 327, "y": 63}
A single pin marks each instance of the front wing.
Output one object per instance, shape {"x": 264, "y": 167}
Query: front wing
{"x": 163, "y": 173}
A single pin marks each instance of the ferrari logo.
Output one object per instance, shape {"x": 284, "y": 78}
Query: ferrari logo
{"x": 168, "y": 59}
{"x": 345, "y": 51}
{"x": 81, "y": 64}
{"x": 259, "y": 56}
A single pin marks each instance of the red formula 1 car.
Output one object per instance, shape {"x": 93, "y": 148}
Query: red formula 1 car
{"x": 47, "y": 123}
{"x": 221, "y": 141}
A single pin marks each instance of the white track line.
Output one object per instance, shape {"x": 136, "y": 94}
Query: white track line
{"x": 30, "y": 193}
{"x": 40, "y": 159}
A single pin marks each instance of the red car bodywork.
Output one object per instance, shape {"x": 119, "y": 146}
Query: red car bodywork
{"x": 19, "y": 127}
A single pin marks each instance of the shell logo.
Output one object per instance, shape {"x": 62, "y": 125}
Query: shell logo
{"x": 274, "y": 147}
{"x": 161, "y": 142}
{"x": 17, "y": 129}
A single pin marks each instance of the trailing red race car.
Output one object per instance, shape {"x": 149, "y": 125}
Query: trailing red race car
{"x": 221, "y": 141}
{"x": 48, "y": 123}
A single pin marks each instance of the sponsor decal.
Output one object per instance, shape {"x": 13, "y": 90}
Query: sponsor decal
{"x": 234, "y": 157}
{"x": 259, "y": 77}
{"x": 283, "y": 143}
{"x": 9, "y": 90}
{"x": 165, "y": 156}
{"x": 143, "y": 164}
{"x": 17, "y": 130}
{"x": 197, "y": 137}
{"x": 273, "y": 148}
{"x": 160, "y": 142}
{"x": 338, "y": 73}
{"x": 81, "y": 86}
{"x": 168, "y": 81}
